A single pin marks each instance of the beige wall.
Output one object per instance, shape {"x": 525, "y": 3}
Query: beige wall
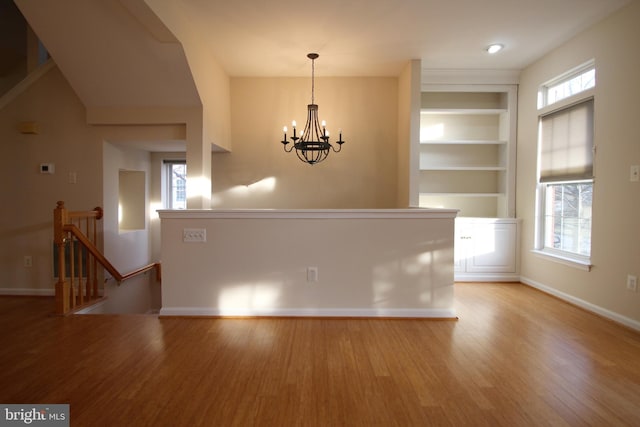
{"x": 616, "y": 222}
{"x": 409, "y": 134}
{"x": 259, "y": 174}
{"x": 213, "y": 85}
{"x": 65, "y": 140}
{"x": 30, "y": 197}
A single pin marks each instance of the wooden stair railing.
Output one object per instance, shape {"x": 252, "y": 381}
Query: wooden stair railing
{"x": 75, "y": 237}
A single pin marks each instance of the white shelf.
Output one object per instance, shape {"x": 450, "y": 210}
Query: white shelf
{"x": 463, "y": 111}
{"x": 464, "y": 168}
{"x": 467, "y": 150}
{"x": 464, "y": 142}
{"x": 463, "y": 194}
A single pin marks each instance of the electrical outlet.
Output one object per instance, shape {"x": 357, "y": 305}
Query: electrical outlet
{"x": 632, "y": 283}
{"x": 48, "y": 168}
{"x": 192, "y": 235}
{"x": 27, "y": 261}
{"x": 312, "y": 274}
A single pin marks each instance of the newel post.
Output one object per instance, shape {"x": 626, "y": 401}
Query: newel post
{"x": 63, "y": 287}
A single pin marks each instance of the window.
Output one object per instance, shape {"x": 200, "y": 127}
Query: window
{"x": 565, "y": 169}
{"x": 567, "y": 217}
{"x": 578, "y": 80}
{"x": 175, "y": 184}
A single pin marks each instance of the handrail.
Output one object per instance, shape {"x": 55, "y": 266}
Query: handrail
{"x": 68, "y": 229}
{"x": 104, "y": 262}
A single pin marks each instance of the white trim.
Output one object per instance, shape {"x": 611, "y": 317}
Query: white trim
{"x": 570, "y": 262}
{"x": 91, "y": 308}
{"x": 486, "y": 277}
{"x": 466, "y": 77}
{"x": 417, "y": 213}
{"x": 543, "y": 89}
{"x": 27, "y": 292}
{"x": 626, "y": 321}
{"x": 567, "y": 102}
{"x": 427, "y": 313}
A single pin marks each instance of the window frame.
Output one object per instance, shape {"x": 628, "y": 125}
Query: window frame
{"x": 543, "y": 91}
{"x": 167, "y": 187}
{"x": 565, "y": 257}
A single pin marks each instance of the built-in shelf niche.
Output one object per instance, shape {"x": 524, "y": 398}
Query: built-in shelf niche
{"x": 466, "y": 150}
{"x": 131, "y": 200}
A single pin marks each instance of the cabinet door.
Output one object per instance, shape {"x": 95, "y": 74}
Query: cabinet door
{"x": 492, "y": 248}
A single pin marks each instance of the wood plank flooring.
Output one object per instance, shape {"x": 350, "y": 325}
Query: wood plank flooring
{"x": 516, "y": 357}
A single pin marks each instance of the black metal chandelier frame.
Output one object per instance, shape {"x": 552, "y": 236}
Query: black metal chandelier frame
{"x": 312, "y": 146}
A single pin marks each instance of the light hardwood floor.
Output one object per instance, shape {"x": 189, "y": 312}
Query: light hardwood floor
{"x": 515, "y": 357}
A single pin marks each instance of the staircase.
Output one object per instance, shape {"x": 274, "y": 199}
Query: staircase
{"x": 78, "y": 261}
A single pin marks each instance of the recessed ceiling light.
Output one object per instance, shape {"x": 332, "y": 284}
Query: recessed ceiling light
{"x": 493, "y": 48}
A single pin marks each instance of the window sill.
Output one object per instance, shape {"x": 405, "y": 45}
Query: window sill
{"x": 580, "y": 264}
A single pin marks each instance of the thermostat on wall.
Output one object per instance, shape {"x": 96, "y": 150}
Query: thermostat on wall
{"x": 47, "y": 168}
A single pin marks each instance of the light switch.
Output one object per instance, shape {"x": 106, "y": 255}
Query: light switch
{"x": 634, "y": 175}
{"x": 191, "y": 235}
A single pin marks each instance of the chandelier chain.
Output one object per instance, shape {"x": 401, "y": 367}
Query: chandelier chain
{"x": 313, "y": 80}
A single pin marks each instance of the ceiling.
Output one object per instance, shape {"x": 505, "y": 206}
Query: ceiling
{"x": 377, "y": 37}
{"x": 119, "y": 53}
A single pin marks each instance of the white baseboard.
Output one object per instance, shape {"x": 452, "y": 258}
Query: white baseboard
{"x": 27, "y": 292}
{"x": 428, "y": 313}
{"x": 484, "y": 277}
{"x": 631, "y": 323}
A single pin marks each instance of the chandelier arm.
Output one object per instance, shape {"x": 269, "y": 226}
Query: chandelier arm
{"x": 285, "y": 147}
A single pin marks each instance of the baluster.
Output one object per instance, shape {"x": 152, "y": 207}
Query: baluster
{"x": 81, "y": 292}
{"x": 87, "y": 270}
{"x": 72, "y": 267}
{"x": 94, "y": 261}
{"x": 62, "y": 287}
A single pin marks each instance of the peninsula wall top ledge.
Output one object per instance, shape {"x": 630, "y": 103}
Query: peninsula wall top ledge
{"x": 417, "y": 213}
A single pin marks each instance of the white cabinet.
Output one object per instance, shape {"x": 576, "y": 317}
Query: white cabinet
{"x": 467, "y": 162}
{"x": 486, "y": 249}
{"x": 467, "y": 149}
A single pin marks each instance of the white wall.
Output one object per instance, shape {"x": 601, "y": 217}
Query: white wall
{"x": 380, "y": 263}
{"x": 613, "y": 43}
{"x": 130, "y": 249}
{"x": 408, "y": 148}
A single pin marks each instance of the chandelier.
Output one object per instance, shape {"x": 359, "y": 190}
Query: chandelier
{"x": 312, "y": 146}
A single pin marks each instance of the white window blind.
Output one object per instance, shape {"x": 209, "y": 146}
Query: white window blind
{"x": 566, "y": 143}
